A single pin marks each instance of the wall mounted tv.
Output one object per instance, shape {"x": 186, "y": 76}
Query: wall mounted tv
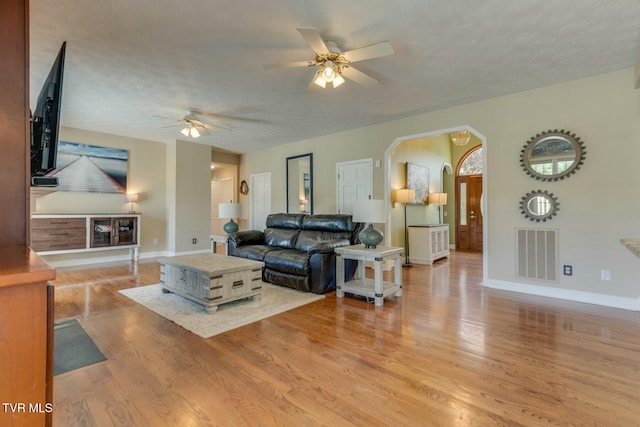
{"x": 45, "y": 123}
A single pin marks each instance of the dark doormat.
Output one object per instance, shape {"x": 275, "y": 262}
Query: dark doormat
{"x": 73, "y": 348}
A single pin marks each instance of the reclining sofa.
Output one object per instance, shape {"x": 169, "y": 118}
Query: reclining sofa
{"x": 298, "y": 249}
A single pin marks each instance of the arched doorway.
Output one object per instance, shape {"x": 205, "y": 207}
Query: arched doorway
{"x": 469, "y": 211}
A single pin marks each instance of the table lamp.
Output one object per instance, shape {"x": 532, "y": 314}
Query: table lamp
{"x": 230, "y": 210}
{"x": 370, "y": 211}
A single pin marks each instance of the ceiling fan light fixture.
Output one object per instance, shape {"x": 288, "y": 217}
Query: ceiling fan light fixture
{"x": 338, "y": 80}
{"x": 329, "y": 71}
{"x": 190, "y": 130}
{"x": 318, "y": 80}
{"x": 461, "y": 138}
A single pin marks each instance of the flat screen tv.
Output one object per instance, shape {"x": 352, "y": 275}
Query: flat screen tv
{"x": 45, "y": 123}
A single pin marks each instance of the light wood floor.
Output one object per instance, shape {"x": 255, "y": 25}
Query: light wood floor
{"x": 448, "y": 353}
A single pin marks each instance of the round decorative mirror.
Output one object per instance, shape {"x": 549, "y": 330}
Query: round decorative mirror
{"x": 539, "y": 206}
{"x": 552, "y": 155}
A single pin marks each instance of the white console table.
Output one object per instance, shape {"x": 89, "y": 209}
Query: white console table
{"x": 428, "y": 242}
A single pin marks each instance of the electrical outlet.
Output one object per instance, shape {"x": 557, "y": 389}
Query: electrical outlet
{"x": 605, "y": 275}
{"x": 568, "y": 270}
{"x": 194, "y": 241}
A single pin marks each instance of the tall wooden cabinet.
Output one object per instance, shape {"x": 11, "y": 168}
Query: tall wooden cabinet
{"x": 26, "y": 300}
{"x": 15, "y": 131}
{"x": 26, "y": 338}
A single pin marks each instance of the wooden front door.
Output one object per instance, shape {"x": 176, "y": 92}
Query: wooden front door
{"x": 468, "y": 213}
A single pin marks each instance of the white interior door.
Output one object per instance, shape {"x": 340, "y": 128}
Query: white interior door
{"x": 354, "y": 182}
{"x": 260, "y": 196}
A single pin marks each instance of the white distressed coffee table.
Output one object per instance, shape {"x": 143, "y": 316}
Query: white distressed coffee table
{"x": 211, "y": 279}
{"x": 375, "y": 288}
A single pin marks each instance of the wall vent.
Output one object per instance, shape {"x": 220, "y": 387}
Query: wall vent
{"x": 537, "y": 253}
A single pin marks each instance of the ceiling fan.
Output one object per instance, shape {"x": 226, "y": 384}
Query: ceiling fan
{"x": 193, "y": 126}
{"x": 334, "y": 64}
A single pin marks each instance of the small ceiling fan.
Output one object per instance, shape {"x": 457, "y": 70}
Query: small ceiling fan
{"x": 334, "y": 64}
{"x": 193, "y": 126}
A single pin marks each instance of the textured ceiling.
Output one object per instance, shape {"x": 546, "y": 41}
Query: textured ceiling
{"x": 128, "y": 61}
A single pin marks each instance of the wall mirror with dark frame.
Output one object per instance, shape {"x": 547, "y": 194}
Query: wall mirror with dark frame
{"x": 539, "y": 205}
{"x": 300, "y": 184}
{"x": 552, "y": 155}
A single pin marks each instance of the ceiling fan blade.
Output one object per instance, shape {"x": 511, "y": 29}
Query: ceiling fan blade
{"x": 359, "y": 77}
{"x": 203, "y": 131}
{"x": 368, "y": 52}
{"x": 214, "y": 127}
{"x": 313, "y": 39}
{"x": 173, "y": 119}
{"x": 289, "y": 64}
{"x": 200, "y": 124}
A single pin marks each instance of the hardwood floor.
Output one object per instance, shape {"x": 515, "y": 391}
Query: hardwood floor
{"x": 447, "y": 353}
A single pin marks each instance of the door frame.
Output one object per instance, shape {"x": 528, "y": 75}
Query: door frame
{"x": 457, "y": 179}
{"x": 485, "y": 187}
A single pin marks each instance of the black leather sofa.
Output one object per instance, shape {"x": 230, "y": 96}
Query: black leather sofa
{"x": 298, "y": 249}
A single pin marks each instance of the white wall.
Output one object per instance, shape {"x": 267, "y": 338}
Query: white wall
{"x": 598, "y": 205}
{"x": 145, "y": 176}
{"x": 432, "y": 153}
{"x": 173, "y": 181}
{"x": 189, "y": 171}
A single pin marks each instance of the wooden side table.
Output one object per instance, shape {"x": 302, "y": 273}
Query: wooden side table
{"x": 375, "y": 288}
{"x": 219, "y": 239}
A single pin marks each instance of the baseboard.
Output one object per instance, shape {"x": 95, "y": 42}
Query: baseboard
{"x": 77, "y": 262}
{"x": 199, "y": 251}
{"x": 566, "y": 294}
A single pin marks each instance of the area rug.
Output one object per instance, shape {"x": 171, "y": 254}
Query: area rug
{"x": 73, "y": 348}
{"x": 191, "y": 316}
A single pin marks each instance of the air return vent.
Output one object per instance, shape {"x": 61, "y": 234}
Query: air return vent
{"x": 537, "y": 253}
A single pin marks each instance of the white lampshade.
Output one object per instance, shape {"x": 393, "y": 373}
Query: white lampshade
{"x": 437, "y": 198}
{"x": 370, "y": 210}
{"x": 338, "y": 80}
{"x": 318, "y": 80}
{"x": 229, "y": 210}
{"x": 132, "y": 197}
{"x": 404, "y": 195}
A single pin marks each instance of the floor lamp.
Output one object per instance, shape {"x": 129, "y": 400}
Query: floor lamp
{"x": 405, "y": 196}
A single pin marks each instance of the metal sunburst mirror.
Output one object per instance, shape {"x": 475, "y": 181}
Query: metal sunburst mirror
{"x": 552, "y": 155}
{"x": 539, "y": 205}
